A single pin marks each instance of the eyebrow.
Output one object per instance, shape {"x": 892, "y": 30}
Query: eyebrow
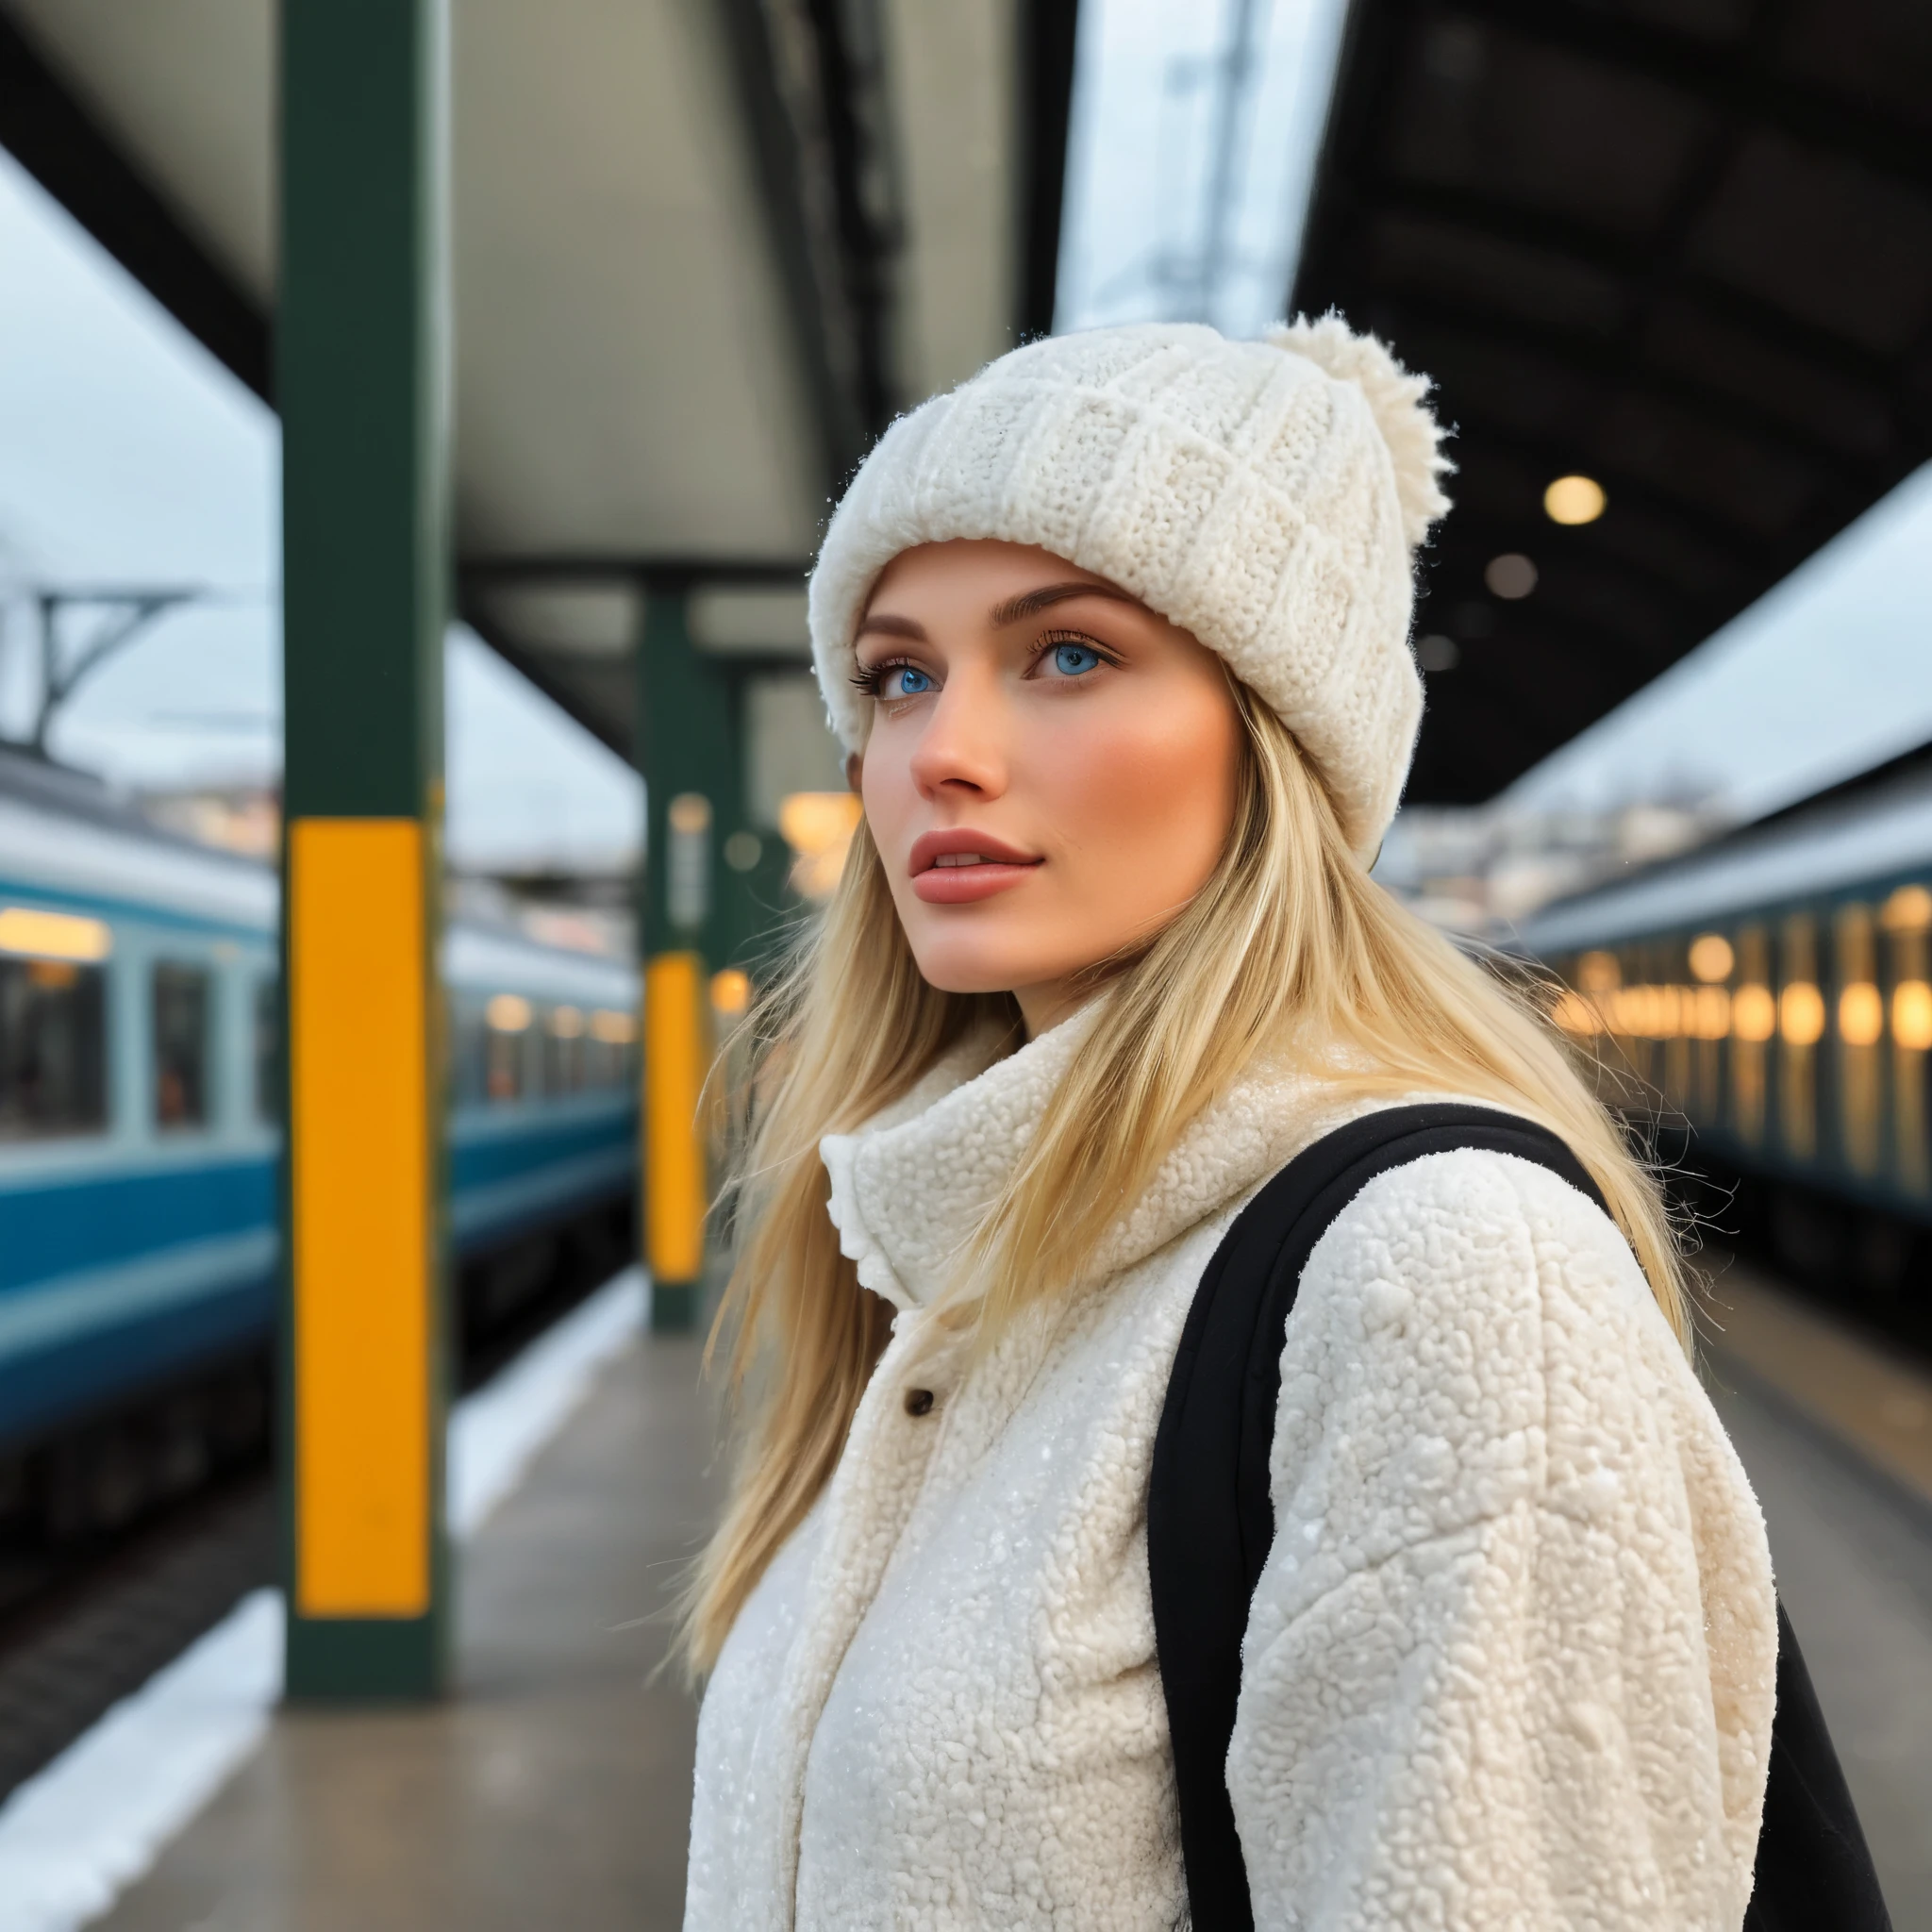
{"x": 1031, "y": 603}
{"x": 1014, "y": 610}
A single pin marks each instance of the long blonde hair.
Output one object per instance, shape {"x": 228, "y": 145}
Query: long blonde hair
{"x": 1290, "y": 947}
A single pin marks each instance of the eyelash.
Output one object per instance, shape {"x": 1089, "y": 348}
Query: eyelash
{"x": 871, "y": 676}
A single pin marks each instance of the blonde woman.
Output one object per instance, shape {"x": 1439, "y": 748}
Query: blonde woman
{"x": 1116, "y": 635}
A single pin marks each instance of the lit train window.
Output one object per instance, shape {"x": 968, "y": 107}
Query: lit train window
{"x": 1861, "y": 1015}
{"x": 1753, "y": 1020}
{"x": 608, "y": 1048}
{"x": 563, "y": 1050}
{"x": 181, "y": 1017}
{"x": 508, "y": 1071}
{"x": 1800, "y": 1025}
{"x": 51, "y": 1066}
{"x": 1906, "y": 919}
{"x": 268, "y": 1049}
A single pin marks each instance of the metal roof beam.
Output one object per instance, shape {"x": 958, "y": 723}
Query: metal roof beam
{"x": 61, "y": 145}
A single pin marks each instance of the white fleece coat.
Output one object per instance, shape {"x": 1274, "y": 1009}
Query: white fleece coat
{"x": 1511, "y": 1664}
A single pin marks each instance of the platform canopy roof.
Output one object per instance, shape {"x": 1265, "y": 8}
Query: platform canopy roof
{"x": 703, "y": 250}
{"x": 1683, "y": 247}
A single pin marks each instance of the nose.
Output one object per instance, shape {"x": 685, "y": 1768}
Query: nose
{"x": 962, "y": 750}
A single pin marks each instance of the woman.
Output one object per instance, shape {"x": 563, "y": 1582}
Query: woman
{"x": 1116, "y": 637}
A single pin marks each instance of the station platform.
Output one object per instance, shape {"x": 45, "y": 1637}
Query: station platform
{"x": 552, "y": 1786}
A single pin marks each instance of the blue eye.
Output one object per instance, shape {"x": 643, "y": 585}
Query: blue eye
{"x": 902, "y": 681}
{"x": 1075, "y": 660}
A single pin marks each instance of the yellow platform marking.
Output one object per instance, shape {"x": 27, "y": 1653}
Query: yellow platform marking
{"x": 364, "y": 1281}
{"x": 676, "y": 1057}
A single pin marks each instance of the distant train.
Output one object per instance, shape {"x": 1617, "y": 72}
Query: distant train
{"x": 1774, "y": 993}
{"x": 139, "y": 1146}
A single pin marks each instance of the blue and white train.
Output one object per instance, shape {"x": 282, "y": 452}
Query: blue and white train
{"x": 139, "y": 1145}
{"x": 1771, "y": 994}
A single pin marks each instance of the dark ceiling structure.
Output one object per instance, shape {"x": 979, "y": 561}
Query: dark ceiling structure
{"x": 1683, "y": 247}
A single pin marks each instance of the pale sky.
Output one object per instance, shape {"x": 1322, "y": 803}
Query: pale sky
{"x": 128, "y": 456}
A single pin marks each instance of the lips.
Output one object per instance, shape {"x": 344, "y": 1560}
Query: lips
{"x": 954, "y": 868}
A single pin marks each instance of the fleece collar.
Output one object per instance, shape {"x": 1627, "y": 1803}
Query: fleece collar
{"x": 910, "y": 1186}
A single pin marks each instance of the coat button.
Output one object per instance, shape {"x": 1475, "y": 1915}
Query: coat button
{"x": 918, "y": 1401}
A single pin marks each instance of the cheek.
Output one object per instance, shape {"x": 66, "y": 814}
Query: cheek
{"x": 1145, "y": 795}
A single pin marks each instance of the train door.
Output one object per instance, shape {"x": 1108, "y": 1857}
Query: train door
{"x": 1907, "y": 921}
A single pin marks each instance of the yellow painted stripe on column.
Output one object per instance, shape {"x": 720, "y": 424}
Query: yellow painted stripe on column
{"x": 359, "y": 1123}
{"x": 675, "y": 1061}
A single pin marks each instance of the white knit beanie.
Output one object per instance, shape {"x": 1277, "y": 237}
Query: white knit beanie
{"x": 1266, "y": 496}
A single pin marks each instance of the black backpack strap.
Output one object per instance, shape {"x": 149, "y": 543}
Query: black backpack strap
{"x": 1210, "y": 1520}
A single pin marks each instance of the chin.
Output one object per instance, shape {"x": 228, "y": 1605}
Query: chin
{"x": 956, "y": 968}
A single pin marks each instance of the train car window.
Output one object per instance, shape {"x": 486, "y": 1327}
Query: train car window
{"x": 1859, "y": 1012}
{"x": 180, "y": 1032}
{"x": 563, "y": 1050}
{"x": 507, "y": 1072}
{"x": 1753, "y": 1020}
{"x": 53, "y": 1062}
{"x": 608, "y": 1049}
{"x": 469, "y": 1051}
{"x": 1800, "y": 1027}
{"x": 1906, "y": 919}
{"x": 1711, "y": 958}
{"x": 1677, "y": 1023}
{"x": 268, "y": 1049}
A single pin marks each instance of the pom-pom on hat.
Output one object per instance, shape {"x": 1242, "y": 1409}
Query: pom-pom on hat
{"x": 1266, "y": 496}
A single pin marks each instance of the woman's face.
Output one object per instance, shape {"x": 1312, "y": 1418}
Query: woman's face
{"x": 1051, "y": 770}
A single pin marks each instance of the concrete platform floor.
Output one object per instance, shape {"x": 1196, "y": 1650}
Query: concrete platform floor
{"x": 554, "y": 1789}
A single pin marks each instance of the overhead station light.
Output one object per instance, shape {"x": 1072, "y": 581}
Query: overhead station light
{"x": 28, "y": 933}
{"x": 1574, "y": 500}
{"x": 1510, "y": 576}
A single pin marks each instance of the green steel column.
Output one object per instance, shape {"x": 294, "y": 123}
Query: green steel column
{"x": 363, "y": 356}
{"x": 689, "y": 742}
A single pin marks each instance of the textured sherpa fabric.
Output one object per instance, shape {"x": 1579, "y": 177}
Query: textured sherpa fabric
{"x": 1511, "y": 1664}
{"x": 1265, "y": 496}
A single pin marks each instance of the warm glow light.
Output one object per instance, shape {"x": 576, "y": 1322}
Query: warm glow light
{"x": 508, "y": 1012}
{"x": 1574, "y": 500}
{"x": 1574, "y": 1014}
{"x": 730, "y": 990}
{"x": 1599, "y": 972}
{"x": 612, "y": 1029}
{"x": 1753, "y": 1013}
{"x": 1911, "y": 1015}
{"x": 1861, "y": 1014}
{"x": 566, "y": 1022}
{"x": 1713, "y": 1019}
{"x": 1909, "y": 909}
{"x": 36, "y": 935}
{"x": 1801, "y": 1014}
{"x": 817, "y": 825}
{"x": 1710, "y": 957}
